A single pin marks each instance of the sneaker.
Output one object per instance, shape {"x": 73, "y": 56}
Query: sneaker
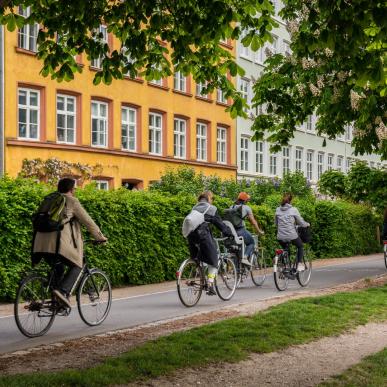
{"x": 246, "y": 262}
{"x": 211, "y": 290}
{"x": 62, "y": 297}
{"x": 300, "y": 267}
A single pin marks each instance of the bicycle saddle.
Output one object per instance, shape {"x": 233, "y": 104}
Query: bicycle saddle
{"x": 237, "y": 239}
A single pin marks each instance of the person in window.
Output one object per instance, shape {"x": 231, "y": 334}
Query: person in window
{"x": 201, "y": 243}
{"x": 286, "y": 219}
{"x": 247, "y": 213}
{"x": 70, "y": 251}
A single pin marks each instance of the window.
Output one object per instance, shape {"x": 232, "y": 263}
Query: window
{"x": 348, "y": 133}
{"x": 102, "y": 184}
{"x": 245, "y": 51}
{"x": 158, "y": 82}
{"x": 101, "y": 36}
{"x": 27, "y": 35}
{"x": 220, "y": 96}
{"x": 65, "y": 118}
{"x": 179, "y": 138}
{"x": 244, "y": 87}
{"x": 259, "y": 157}
{"x": 277, "y": 6}
{"x": 221, "y": 142}
{"x": 155, "y": 132}
{"x": 273, "y": 164}
{"x": 128, "y": 128}
{"x": 299, "y": 157}
{"x": 309, "y": 124}
{"x": 309, "y": 165}
{"x": 201, "y": 141}
{"x": 244, "y": 154}
{"x": 199, "y": 89}
{"x": 320, "y": 164}
{"x": 340, "y": 163}
{"x": 372, "y": 164}
{"x": 261, "y": 54}
{"x": 330, "y": 161}
{"x": 99, "y": 123}
{"x": 285, "y": 160}
{"x": 180, "y": 82}
{"x": 28, "y": 113}
{"x": 349, "y": 162}
{"x": 286, "y": 48}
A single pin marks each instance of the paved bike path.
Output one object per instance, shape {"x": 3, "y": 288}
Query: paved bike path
{"x": 150, "y": 303}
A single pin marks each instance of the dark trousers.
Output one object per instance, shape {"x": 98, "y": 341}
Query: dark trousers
{"x": 384, "y": 233}
{"x": 202, "y": 246}
{"x": 249, "y": 241}
{"x": 300, "y": 247}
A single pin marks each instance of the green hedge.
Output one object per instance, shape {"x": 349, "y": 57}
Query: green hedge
{"x": 144, "y": 230}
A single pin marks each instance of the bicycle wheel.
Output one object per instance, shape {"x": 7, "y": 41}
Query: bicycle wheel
{"x": 34, "y": 306}
{"x": 303, "y": 277}
{"x": 226, "y": 279}
{"x": 258, "y": 269}
{"x": 190, "y": 282}
{"x": 94, "y": 297}
{"x": 280, "y": 270}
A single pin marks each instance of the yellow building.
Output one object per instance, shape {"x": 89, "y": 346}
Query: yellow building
{"x": 133, "y": 128}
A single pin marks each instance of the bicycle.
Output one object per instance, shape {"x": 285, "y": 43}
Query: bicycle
{"x": 257, "y": 270}
{"x": 285, "y": 269}
{"x": 385, "y": 252}
{"x": 36, "y": 307}
{"x": 191, "y": 279}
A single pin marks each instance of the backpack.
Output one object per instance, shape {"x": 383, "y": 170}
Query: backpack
{"x": 193, "y": 220}
{"x": 49, "y": 216}
{"x": 234, "y": 215}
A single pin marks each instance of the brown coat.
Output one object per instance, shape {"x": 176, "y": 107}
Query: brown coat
{"x": 46, "y": 242}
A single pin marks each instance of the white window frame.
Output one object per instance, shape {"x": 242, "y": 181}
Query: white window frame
{"x": 330, "y": 161}
{"x": 102, "y": 29}
{"x": 286, "y": 50}
{"x": 286, "y": 152}
{"x": 201, "y": 141}
{"x": 221, "y": 145}
{"x": 220, "y": 96}
{"x": 273, "y": 164}
{"x": 244, "y": 152}
{"x": 28, "y": 35}
{"x": 339, "y": 163}
{"x": 244, "y": 88}
{"x": 180, "y": 82}
{"x": 29, "y": 109}
{"x": 320, "y": 164}
{"x": 128, "y": 128}
{"x": 66, "y": 113}
{"x": 155, "y": 134}
{"x": 199, "y": 88}
{"x": 309, "y": 164}
{"x": 309, "y": 124}
{"x": 259, "y": 156}
{"x": 102, "y": 184}
{"x": 102, "y": 123}
{"x": 245, "y": 52}
{"x": 299, "y": 160}
{"x": 179, "y": 138}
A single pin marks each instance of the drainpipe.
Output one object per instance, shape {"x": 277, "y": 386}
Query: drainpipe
{"x": 2, "y": 148}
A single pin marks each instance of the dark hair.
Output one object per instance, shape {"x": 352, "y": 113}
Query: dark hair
{"x": 286, "y": 199}
{"x": 205, "y": 195}
{"x": 65, "y": 185}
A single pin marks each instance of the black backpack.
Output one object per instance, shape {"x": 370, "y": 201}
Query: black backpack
{"x": 49, "y": 216}
{"x": 234, "y": 215}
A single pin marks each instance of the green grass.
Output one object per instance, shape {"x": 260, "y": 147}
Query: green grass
{"x": 291, "y": 323}
{"x": 371, "y": 372}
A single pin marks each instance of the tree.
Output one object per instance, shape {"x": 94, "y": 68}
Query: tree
{"x": 157, "y": 37}
{"x": 337, "y": 69}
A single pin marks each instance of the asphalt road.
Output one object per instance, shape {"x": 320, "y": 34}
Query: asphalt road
{"x": 150, "y": 304}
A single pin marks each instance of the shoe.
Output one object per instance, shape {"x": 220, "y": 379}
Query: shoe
{"x": 211, "y": 290}
{"x": 62, "y": 297}
{"x": 300, "y": 267}
{"x": 246, "y": 262}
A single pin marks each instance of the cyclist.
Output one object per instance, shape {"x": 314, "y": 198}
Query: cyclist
{"x": 384, "y": 233}
{"x": 70, "y": 250}
{"x": 286, "y": 219}
{"x": 201, "y": 242}
{"x": 246, "y": 212}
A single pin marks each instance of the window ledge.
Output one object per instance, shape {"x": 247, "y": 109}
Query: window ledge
{"x": 184, "y": 93}
{"x": 204, "y": 99}
{"x": 227, "y": 45}
{"x": 137, "y": 80}
{"x": 222, "y": 104}
{"x": 166, "y": 88}
{"x": 24, "y": 51}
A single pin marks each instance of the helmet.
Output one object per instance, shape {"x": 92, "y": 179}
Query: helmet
{"x": 244, "y": 196}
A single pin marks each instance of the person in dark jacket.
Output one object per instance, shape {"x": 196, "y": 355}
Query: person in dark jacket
{"x": 201, "y": 243}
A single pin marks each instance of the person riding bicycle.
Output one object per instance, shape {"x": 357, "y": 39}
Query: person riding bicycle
{"x": 246, "y": 212}
{"x": 286, "y": 219}
{"x": 201, "y": 243}
{"x": 70, "y": 250}
{"x": 384, "y": 233}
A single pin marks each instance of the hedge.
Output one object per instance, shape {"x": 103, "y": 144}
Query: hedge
{"x": 144, "y": 230}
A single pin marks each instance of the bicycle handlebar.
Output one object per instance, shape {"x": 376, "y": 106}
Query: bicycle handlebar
{"x": 94, "y": 242}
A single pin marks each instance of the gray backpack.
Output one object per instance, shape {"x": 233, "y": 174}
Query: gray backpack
{"x": 192, "y": 221}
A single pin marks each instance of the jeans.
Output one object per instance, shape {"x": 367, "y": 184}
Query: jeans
{"x": 249, "y": 241}
{"x": 300, "y": 247}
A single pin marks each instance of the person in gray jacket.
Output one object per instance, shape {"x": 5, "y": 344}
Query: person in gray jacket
{"x": 286, "y": 219}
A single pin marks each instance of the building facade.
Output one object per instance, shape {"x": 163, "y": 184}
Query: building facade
{"x": 133, "y": 128}
{"x": 305, "y": 152}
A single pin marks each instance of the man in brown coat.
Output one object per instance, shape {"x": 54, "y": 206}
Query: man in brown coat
{"x": 70, "y": 250}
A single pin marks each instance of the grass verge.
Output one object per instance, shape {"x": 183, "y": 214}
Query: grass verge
{"x": 291, "y": 323}
{"x": 371, "y": 372}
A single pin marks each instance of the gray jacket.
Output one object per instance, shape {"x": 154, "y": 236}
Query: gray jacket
{"x": 286, "y": 219}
